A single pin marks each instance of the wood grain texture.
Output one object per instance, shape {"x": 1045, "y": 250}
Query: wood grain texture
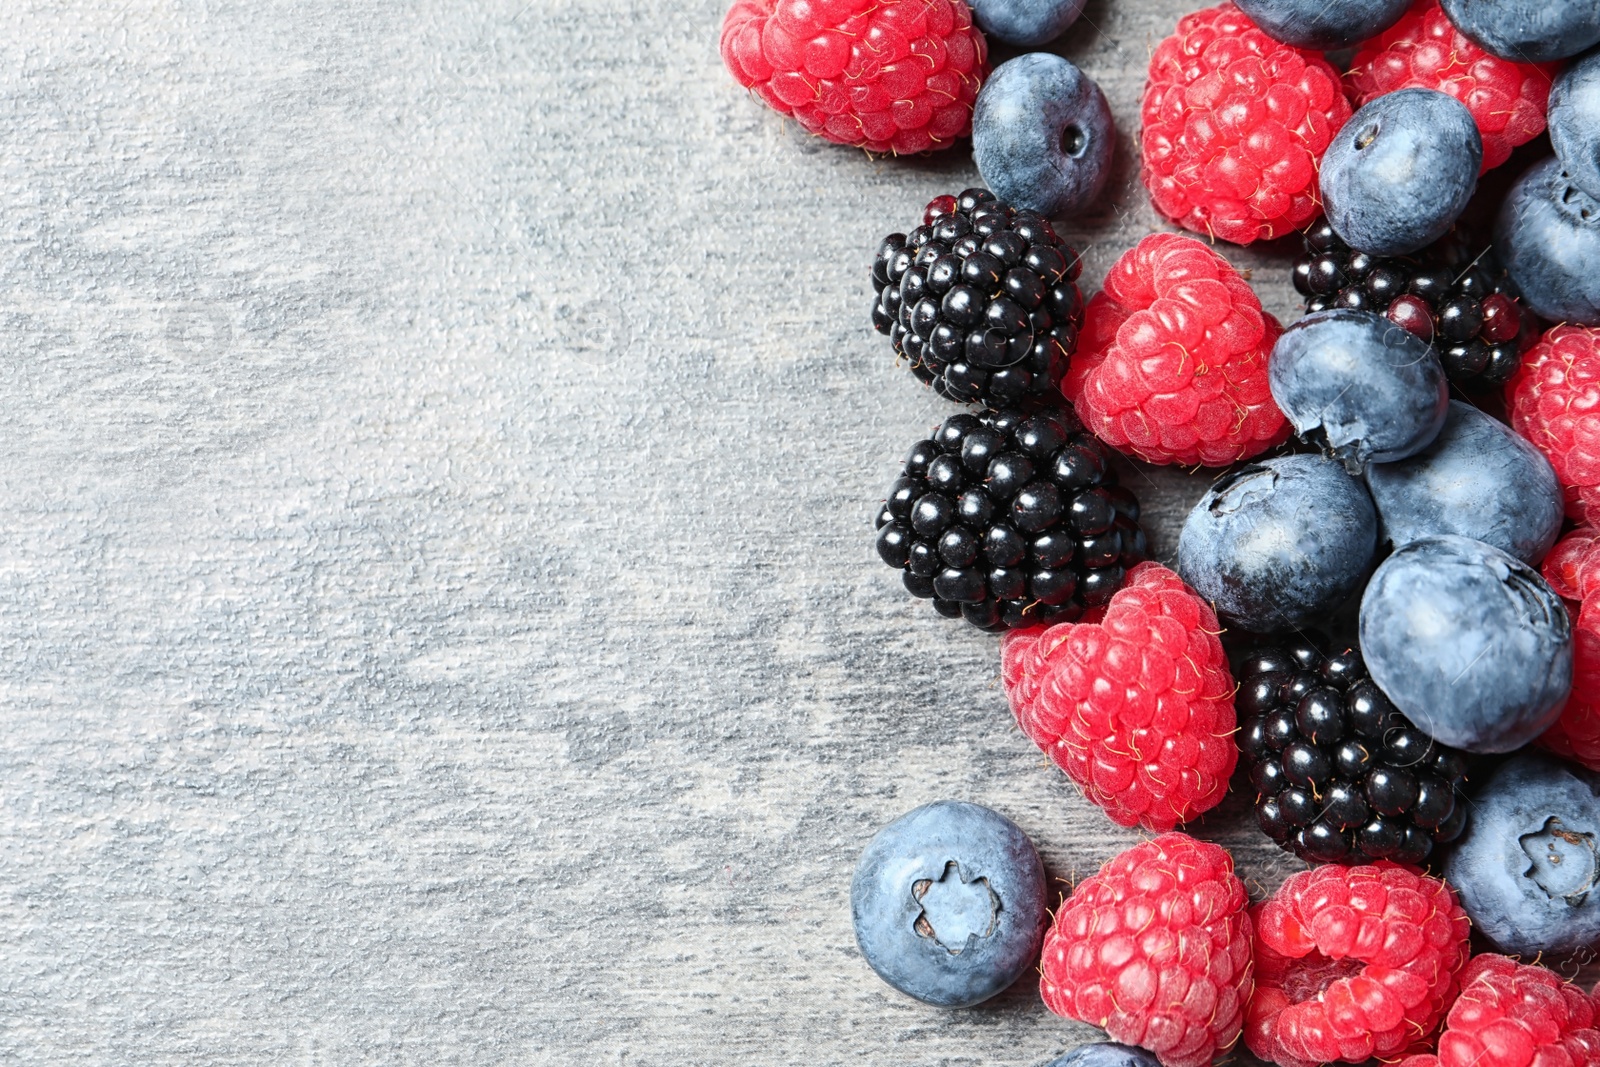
{"x": 438, "y": 616}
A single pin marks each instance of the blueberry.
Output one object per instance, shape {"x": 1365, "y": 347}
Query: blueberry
{"x": 1278, "y": 544}
{"x": 1527, "y": 868}
{"x": 949, "y": 903}
{"x": 1575, "y": 122}
{"x": 1322, "y": 25}
{"x": 1528, "y": 31}
{"x": 1026, "y": 23}
{"x": 1478, "y": 479}
{"x": 1468, "y": 642}
{"x": 1397, "y": 176}
{"x": 1548, "y": 239}
{"x": 1363, "y": 388}
{"x": 1106, "y": 1054}
{"x": 1042, "y": 135}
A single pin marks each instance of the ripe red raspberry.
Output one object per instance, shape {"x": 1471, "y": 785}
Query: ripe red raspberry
{"x": 1155, "y": 950}
{"x": 1172, "y": 359}
{"x": 1353, "y": 962}
{"x": 1572, "y": 567}
{"x": 1235, "y": 124}
{"x": 1555, "y": 403}
{"x": 1512, "y": 1014}
{"x": 1424, "y": 51}
{"x": 885, "y": 75}
{"x": 1136, "y": 708}
{"x": 1573, "y": 570}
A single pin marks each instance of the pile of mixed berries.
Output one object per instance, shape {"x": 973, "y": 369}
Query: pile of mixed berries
{"x": 1381, "y": 620}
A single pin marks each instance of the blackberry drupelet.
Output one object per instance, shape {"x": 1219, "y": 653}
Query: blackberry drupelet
{"x": 1011, "y": 520}
{"x": 1340, "y": 775}
{"x": 981, "y": 300}
{"x": 1453, "y": 294}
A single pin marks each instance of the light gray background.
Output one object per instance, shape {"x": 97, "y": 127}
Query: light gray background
{"x": 438, "y": 617}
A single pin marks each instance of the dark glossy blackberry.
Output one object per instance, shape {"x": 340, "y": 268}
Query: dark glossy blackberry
{"x": 1453, "y": 294}
{"x": 1008, "y": 520}
{"x": 981, "y": 300}
{"x": 1340, "y": 775}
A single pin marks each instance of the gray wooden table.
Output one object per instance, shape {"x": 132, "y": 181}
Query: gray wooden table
{"x": 438, "y": 616}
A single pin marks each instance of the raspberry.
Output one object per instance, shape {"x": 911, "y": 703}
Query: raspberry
{"x": 1424, "y": 51}
{"x": 885, "y": 75}
{"x": 1573, "y": 570}
{"x": 1172, "y": 362}
{"x": 1353, "y": 962}
{"x": 1573, "y": 566}
{"x": 1235, "y": 124}
{"x": 1554, "y": 400}
{"x": 1155, "y": 950}
{"x": 1512, "y": 1014}
{"x": 1136, "y": 708}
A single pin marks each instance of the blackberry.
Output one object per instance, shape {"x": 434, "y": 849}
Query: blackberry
{"x": 1010, "y": 520}
{"x": 1453, "y": 294}
{"x": 981, "y": 300}
{"x": 1340, "y": 775}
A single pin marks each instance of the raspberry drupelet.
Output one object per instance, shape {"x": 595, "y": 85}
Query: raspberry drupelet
{"x": 1512, "y": 1014}
{"x": 1137, "y": 708}
{"x": 1172, "y": 361}
{"x": 1352, "y": 963}
{"x": 1235, "y": 125}
{"x": 885, "y": 75}
{"x": 1155, "y": 950}
{"x": 1424, "y": 50}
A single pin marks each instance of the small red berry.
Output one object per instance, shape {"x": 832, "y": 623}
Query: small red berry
{"x": 1573, "y": 570}
{"x": 1136, "y": 708}
{"x": 1554, "y": 402}
{"x": 1155, "y": 950}
{"x": 885, "y": 75}
{"x": 1235, "y": 124}
{"x": 1172, "y": 360}
{"x": 1351, "y": 963}
{"x": 1412, "y": 313}
{"x": 1512, "y": 1014}
{"x": 1425, "y": 51}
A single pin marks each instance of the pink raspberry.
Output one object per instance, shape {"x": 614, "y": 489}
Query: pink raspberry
{"x": 1155, "y": 950}
{"x": 1555, "y": 403}
{"x": 885, "y": 75}
{"x": 1172, "y": 360}
{"x": 1351, "y": 963}
{"x": 1573, "y": 570}
{"x": 1424, "y": 51}
{"x": 1235, "y": 125}
{"x": 1512, "y": 1014}
{"x": 1136, "y": 708}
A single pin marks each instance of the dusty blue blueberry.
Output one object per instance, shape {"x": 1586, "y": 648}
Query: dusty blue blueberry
{"x": 1322, "y": 25}
{"x": 1575, "y": 122}
{"x": 949, "y": 903}
{"x": 1478, "y": 479}
{"x": 1528, "y": 31}
{"x": 1468, "y": 642}
{"x": 1106, "y": 1054}
{"x": 1400, "y": 172}
{"x": 1278, "y": 544}
{"x": 1526, "y": 869}
{"x": 1026, "y": 23}
{"x": 1548, "y": 239}
{"x": 1358, "y": 386}
{"x": 1042, "y": 135}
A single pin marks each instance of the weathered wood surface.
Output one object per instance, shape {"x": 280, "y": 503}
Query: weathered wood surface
{"x": 438, "y": 617}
